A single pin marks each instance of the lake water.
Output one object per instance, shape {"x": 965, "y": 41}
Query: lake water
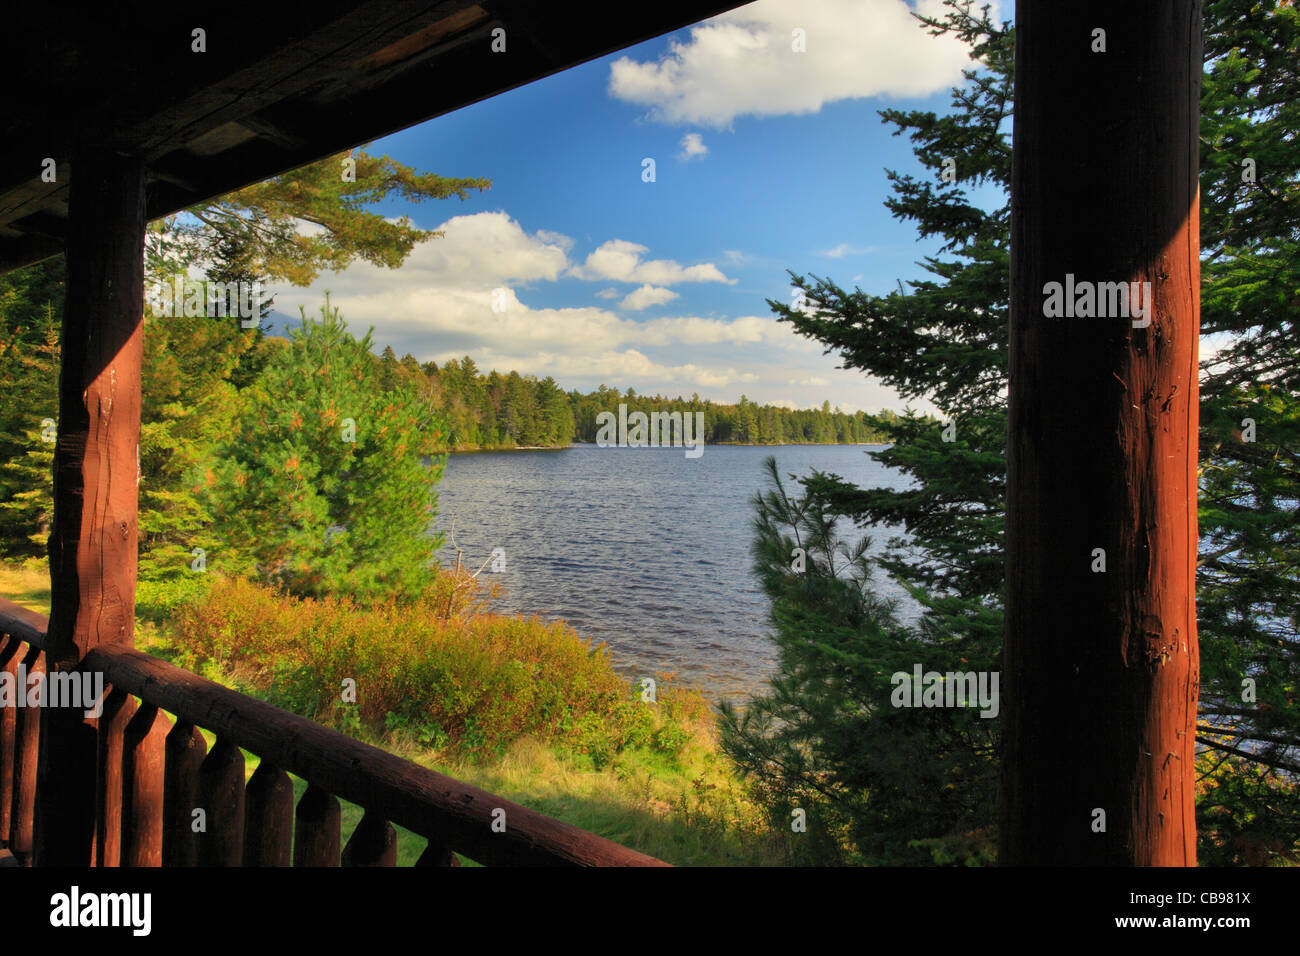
{"x": 641, "y": 548}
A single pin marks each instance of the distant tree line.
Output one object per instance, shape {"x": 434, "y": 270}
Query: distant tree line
{"x": 492, "y": 410}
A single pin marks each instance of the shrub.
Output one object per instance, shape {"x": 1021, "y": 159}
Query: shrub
{"x": 442, "y": 671}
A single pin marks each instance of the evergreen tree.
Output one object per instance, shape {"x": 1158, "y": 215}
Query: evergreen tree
{"x": 27, "y": 508}
{"x": 255, "y": 231}
{"x": 880, "y": 785}
{"x": 189, "y": 403}
{"x": 389, "y": 375}
{"x": 31, "y": 304}
{"x": 945, "y": 342}
{"x": 320, "y": 485}
{"x": 1249, "y": 571}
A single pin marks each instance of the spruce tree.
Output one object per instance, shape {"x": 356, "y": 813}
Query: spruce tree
{"x": 1249, "y": 570}
{"x": 926, "y": 779}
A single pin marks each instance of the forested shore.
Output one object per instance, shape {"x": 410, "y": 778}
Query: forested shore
{"x": 491, "y": 411}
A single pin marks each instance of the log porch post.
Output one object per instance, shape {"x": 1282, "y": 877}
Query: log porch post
{"x": 96, "y": 476}
{"x": 1101, "y": 654}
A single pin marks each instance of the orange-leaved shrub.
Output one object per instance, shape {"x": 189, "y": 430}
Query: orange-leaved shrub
{"x": 444, "y": 670}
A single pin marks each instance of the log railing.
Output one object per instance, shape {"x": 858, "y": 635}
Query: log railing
{"x": 162, "y": 799}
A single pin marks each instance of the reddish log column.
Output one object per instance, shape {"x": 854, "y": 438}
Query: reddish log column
{"x": 96, "y": 476}
{"x": 1101, "y": 661}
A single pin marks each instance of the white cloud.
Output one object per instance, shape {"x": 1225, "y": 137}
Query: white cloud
{"x": 555, "y": 239}
{"x": 693, "y": 146}
{"x": 482, "y": 249}
{"x": 441, "y": 300}
{"x": 742, "y": 62}
{"x": 620, "y": 261}
{"x": 748, "y": 330}
{"x": 439, "y": 305}
{"x": 844, "y": 249}
{"x": 647, "y": 296}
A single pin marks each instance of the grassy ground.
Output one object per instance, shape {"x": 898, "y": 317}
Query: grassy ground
{"x": 26, "y": 584}
{"x": 634, "y": 809}
{"x": 685, "y": 809}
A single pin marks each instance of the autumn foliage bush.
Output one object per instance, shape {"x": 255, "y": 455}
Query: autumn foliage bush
{"x": 444, "y": 671}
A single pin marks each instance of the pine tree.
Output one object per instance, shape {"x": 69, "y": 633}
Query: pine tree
{"x": 31, "y": 306}
{"x": 880, "y": 785}
{"x": 28, "y": 509}
{"x": 320, "y": 484}
{"x": 255, "y": 231}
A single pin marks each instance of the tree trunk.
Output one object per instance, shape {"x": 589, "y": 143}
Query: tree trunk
{"x": 1101, "y": 659}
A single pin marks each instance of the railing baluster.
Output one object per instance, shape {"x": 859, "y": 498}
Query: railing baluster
{"x": 435, "y": 854}
{"x": 221, "y": 795}
{"x": 268, "y": 817}
{"x": 373, "y": 843}
{"x": 185, "y": 751}
{"x": 27, "y": 737}
{"x": 143, "y": 747}
{"x": 9, "y": 657}
{"x": 316, "y": 829}
{"x": 119, "y": 708}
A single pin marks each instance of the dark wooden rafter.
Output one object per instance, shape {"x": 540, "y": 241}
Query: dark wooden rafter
{"x": 50, "y": 225}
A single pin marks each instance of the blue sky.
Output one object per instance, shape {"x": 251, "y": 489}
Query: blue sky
{"x": 765, "y": 158}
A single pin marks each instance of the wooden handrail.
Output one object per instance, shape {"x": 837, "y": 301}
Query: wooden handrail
{"x": 26, "y": 625}
{"x": 448, "y": 812}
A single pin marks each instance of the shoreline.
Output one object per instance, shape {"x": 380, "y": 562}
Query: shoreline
{"x": 721, "y": 444}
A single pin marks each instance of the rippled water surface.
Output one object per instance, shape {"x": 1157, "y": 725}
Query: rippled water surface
{"x": 641, "y": 548}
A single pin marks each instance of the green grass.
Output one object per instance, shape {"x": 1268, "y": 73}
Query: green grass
{"x": 632, "y": 804}
{"x": 27, "y": 584}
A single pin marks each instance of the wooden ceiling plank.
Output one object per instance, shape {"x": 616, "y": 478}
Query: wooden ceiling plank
{"x": 422, "y": 41}
{"x": 338, "y": 77}
{"x": 293, "y": 70}
{"x": 47, "y": 223}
